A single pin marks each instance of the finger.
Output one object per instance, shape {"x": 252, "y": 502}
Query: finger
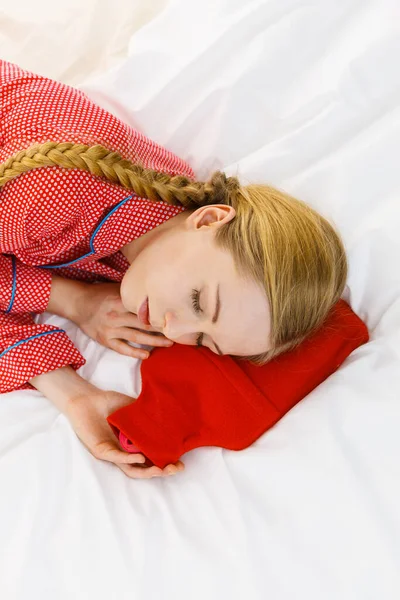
{"x": 140, "y": 472}
{"x": 128, "y": 319}
{"x": 122, "y": 347}
{"x": 141, "y": 337}
{"x": 107, "y": 451}
{"x": 129, "y": 458}
{"x": 173, "y": 469}
{"x": 170, "y": 470}
{"x": 132, "y": 320}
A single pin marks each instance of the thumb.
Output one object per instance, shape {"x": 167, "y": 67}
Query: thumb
{"x": 108, "y": 450}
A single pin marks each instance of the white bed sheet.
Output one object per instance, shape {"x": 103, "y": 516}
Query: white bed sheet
{"x": 305, "y": 96}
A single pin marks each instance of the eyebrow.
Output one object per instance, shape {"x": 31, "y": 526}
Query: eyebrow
{"x": 215, "y": 317}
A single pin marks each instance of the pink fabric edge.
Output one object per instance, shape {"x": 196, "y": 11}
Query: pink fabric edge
{"x": 127, "y": 444}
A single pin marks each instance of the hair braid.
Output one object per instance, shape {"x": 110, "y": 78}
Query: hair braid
{"x": 100, "y": 162}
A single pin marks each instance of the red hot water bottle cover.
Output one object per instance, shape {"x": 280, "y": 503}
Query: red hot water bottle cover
{"x": 192, "y": 397}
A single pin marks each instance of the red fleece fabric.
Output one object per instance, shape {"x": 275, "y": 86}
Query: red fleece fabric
{"x": 192, "y": 397}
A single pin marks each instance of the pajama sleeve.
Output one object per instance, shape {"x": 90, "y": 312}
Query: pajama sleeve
{"x": 26, "y": 348}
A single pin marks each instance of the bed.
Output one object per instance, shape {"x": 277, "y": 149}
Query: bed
{"x": 304, "y": 96}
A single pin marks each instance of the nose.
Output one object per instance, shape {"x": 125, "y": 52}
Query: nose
{"x": 174, "y": 328}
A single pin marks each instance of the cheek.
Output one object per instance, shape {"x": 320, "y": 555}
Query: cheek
{"x": 135, "y": 282}
{"x": 124, "y": 293}
{"x": 165, "y": 273}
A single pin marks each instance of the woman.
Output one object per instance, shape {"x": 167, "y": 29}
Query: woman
{"x": 244, "y": 270}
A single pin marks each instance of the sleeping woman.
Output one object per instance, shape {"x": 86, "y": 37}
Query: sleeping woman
{"x": 103, "y": 226}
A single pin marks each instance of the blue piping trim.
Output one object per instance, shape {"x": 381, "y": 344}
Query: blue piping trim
{"x": 93, "y": 251}
{"x": 14, "y": 284}
{"x": 30, "y": 338}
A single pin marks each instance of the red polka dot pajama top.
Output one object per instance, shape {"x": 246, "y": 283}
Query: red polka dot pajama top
{"x": 64, "y": 221}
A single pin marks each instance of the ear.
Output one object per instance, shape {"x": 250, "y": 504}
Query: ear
{"x": 213, "y": 215}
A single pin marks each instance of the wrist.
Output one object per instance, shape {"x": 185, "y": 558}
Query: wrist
{"x": 61, "y": 386}
{"x": 79, "y": 306}
{"x": 68, "y": 297}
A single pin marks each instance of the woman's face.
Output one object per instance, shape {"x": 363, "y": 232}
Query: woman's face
{"x": 181, "y": 270}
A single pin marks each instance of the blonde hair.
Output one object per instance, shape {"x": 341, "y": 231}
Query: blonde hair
{"x": 293, "y": 253}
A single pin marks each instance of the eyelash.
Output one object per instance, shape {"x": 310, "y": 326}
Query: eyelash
{"x": 196, "y": 305}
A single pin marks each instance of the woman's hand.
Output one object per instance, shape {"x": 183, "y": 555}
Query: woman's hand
{"x": 87, "y": 412}
{"x": 103, "y": 317}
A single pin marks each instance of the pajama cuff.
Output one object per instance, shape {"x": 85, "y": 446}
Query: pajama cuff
{"x": 30, "y": 288}
{"x": 47, "y": 350}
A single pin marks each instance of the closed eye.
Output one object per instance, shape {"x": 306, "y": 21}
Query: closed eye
{"x": 196, "y": 300}
{"x": 197, "y": 309}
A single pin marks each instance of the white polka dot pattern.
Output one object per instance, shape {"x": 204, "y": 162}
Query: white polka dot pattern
{"x": 59, "y": 220}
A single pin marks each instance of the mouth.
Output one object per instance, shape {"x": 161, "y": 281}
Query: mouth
{"x": 143, "y": 312}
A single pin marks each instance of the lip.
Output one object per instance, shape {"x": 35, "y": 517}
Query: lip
{"x": 143, "y": 312}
